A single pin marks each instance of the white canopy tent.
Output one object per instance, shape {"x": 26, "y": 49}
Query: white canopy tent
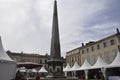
{"x": 43, "y": 70}
{"x": 100, "y": 63}
{"x": 75, "y": 67}
{"x": 116, "y": 62}
{"x": 3, "y": 54}
{"x": 67, "y": 68}
{"x": 7, "y": 65}
{"x": 86, "y": 65}
{"x": 22, "y": 69}
{"x": 34, "y": 70}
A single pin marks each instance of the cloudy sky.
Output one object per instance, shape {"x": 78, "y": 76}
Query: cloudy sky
{"x": 25, "y": 25}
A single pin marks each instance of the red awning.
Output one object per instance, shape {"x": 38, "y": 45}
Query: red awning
{"x": 28, "y": 65}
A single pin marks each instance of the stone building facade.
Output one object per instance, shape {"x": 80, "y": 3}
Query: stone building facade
{"x": 28, "y": 57}
{"x": 73, "y": 56}
{"x": 107, "y": 48}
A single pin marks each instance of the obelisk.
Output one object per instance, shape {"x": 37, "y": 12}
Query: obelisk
{"x": 55, "y": 63}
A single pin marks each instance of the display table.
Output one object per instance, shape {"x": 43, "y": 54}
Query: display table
{"x": 114, "y": 78}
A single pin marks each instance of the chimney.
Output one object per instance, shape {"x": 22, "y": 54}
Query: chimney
{"x": 21, "y": 52}
{"x": 118, "y": 32}
{"x": 82, "y": 44}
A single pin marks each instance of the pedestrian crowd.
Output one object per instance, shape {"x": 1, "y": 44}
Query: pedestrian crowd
{"x": 25, "y": 76}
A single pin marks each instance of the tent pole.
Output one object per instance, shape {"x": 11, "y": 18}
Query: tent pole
{"x": 86, "y": 74}
{"x": 65, "y": 74}
{"x": 74, "y": 73}
{"x": 103, "y": 70}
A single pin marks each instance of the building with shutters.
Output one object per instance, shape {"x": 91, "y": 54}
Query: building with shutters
{"x": 107, "y": 48}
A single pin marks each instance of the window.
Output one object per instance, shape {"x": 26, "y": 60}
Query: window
{"x": 78, "y": 58}
{"x": 98, "y": 46}
{"x": 82, "y": 51}
{"x": 41, "y": 61}
{"x": 72, "y": 59}
{"x": 45, "y": 61}
{"x": 104, "y": 44}
{"x": 112, "y": 42}
{"x": 92, "y": 48}
{"x": 87, "y": 49}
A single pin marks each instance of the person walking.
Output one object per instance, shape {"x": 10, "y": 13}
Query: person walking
{"x": 25, "y": 76}
{"x": 37, "y": 76}
{"x": 80, "y": 78}
{"x": 18, "y": 76}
